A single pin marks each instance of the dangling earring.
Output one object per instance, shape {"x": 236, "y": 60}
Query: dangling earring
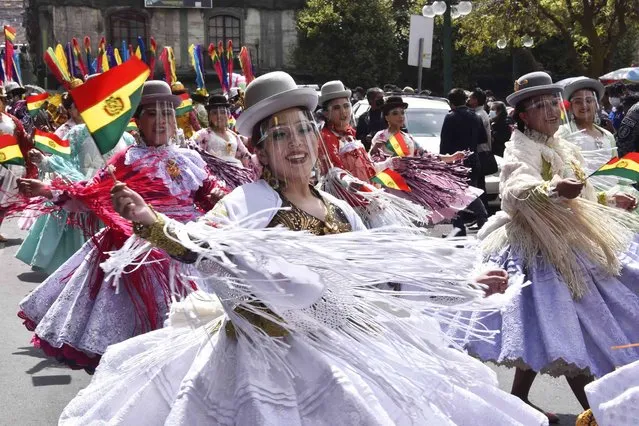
{"x": 267, "y": 175}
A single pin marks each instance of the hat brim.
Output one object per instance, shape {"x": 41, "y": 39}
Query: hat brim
{"x": 388, "y": 107}
{"x": 18, "y": 91}
{"x": 335, "y": 95}
{"x": 299, "y": 97}
{"x": 151, "y": 99}
{"x": 589, "y": 83}
{"x": 210, "y": 107}
{"x": 514, "y": 98}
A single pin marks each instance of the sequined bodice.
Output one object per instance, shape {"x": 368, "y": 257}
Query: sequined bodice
{"x": 297, "y": 219}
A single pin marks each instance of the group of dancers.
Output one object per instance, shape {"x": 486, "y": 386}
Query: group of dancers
{"x": 284, "y": 274}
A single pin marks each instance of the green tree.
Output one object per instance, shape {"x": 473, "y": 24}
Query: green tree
{"x": 353, "y": 41}
{"x": 595, "y": 28}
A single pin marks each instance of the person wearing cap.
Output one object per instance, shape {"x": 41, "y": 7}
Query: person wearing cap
{"x": 77, "y": 312}
{"x": 216, "y": 139}
{"x": 187, "y": 122}
{"x": 339, "y": 147}
{"x": 294, "y": 337}
{"x": 578, "y": 255}
{"x": 628, "y": 131}
{"x": 597, "y": 144}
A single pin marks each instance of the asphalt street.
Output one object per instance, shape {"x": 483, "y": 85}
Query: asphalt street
{"x": 34, "y": 389}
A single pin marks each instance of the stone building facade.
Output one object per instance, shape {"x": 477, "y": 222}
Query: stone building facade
{"x": 11, "y": 14}
{"x": 266, "y": 27}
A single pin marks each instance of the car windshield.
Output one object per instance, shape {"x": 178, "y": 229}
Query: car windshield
{"x": 425, "y": 122}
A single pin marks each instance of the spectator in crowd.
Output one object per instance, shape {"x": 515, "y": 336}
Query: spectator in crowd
{"x": 372, "y": 120}
{"x": 476, "y": 102}
{"x": 615, "y": 93}
{"x": 500, "y": 127}
{"x": 463, "y": 130}
{"x": 628, "y": 132}
{"x": 358, "y": 95}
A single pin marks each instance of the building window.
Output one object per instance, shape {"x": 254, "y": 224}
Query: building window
{"x": 224, "y": 28}
{"x": 127, "y": 25}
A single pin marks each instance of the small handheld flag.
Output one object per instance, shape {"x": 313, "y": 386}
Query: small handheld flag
{"x": 133, "y": 126}
{"x": 186, "y": 106}
{"x": 35, "y": 103}
{"x": 10, "y": 151}
{"x": 391, "y": 179}
{"x": 108, "y": 101}
{"x": 625, "y": 167}
{"x": 52, "y": 144}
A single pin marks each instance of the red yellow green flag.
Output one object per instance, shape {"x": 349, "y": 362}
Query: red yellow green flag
{"x": 626, "y": 167}
{"x": 185, "y": 106}
{"x": 9, "y": 33}
{"x": 391, "y": 179}
{"x": 10, "y": 151}
{"x": 49, "y": 142}
{"x": 35, "y": 103}
{"x": 133, "y": 126}
{"x": 398, "y": 145}
{"x": 108, "y": 101}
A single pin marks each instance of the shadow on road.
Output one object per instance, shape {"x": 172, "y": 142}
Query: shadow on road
{"x": 47, "y": 362}
{"x": 11, "y": 242}
{"x": 567, "y": 419}
{"x": 32, "y": 277}
{"x": 51, "y": 380}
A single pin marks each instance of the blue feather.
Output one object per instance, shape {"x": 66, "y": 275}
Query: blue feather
{"x": 111, "y": 56}
{"x": 2, "y": 75}
{"x": 16, "y": 66}
{"x": 142, "y": 48}
{"x": 124, "y": 52}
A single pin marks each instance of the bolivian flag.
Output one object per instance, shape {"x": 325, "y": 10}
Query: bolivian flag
{"x": 626, "y": 167}
{"x": 108, "y": 101}
{"x": 10, "y": 151}
{"x": 185, "y": 106}
{"x": 133, "y": 126}
{"x": 391, "y": 179}
{"x": 35, "y": 103}
{"x": 398, "y": 145}
{"x": 49, "y": 142}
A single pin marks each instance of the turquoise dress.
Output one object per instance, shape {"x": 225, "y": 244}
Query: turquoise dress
{"x": 51, "y": 240}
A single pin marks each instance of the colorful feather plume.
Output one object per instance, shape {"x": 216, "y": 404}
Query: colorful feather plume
{"x": 167, "y": 57}
{"x": 246, "y": 64}
{"x": 88, "y": 56}
{"x": 57, "y": 63}
{"x": 110, "y": 54}
{"x": 229, "y": 58}
{"x": 195, "y": 54}
{"x": 222, "y": 56}
{"x": 217, "y": 65}
{"x": 153, "y": 52}
{"x": 77, "y": 56}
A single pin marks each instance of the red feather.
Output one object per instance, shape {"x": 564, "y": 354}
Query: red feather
{"x": 78, "y": 57}
{"x": 87, "y": 44}
{"x": 164, "y": 58}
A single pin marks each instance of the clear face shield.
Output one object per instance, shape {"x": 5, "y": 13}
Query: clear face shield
{"x": 157, "y": 124}
{"x": 288, "y": 147}
{"x": 219, "y": 118}
{"x": 545, "y": 114}
{"x": 339, "y": 114}
{"x": 584, "y": 109}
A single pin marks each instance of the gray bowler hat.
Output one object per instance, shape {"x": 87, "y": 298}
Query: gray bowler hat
{"x": 270, "y": 94}
{"x": 158, "y": 91}
{"x": 532, "y": 84}
{"x": 574, "y": 84}
{"x": 333, "y": 90}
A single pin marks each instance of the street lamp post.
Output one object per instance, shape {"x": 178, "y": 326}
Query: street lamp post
{"x": 449, "y": 9}
{"x": 448, "y": 50}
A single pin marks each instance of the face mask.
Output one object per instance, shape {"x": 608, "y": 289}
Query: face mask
{"x": 492, "y": 114}
{"x": 615, "y": 102}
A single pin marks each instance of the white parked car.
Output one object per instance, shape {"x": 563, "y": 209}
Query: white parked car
{"x": 424, "y": 120}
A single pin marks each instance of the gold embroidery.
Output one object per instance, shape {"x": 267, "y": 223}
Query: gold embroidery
{"x": 173, "y": 169}
{"x": 156, "y": 235}
{"x": 298, "y": 220}
{"x": 602, "y": 198}
{"x": 113, "y": 105}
